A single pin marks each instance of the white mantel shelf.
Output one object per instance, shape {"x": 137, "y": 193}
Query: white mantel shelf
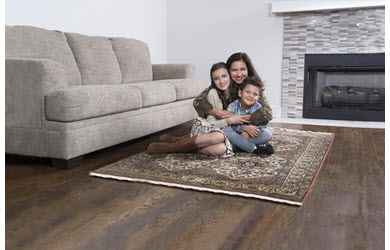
{"x": 289, "y": 6}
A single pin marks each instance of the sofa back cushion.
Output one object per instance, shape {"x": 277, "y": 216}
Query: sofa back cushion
{"x": 33, "y": 42}
{"x": 134, "y": 59}
{"x": 96, "y": 59}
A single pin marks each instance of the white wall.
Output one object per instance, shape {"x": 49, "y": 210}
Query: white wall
{"x": 204, "y": 32}
{"x": 195, "y": 31}
{"x": 143, "y": 20}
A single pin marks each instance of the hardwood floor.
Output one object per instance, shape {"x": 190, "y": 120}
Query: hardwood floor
{"x": 47, "y": 208}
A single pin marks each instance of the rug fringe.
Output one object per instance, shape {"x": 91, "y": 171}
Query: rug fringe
{"x": 298, "y": 131}
{"x": 195, "y": 188}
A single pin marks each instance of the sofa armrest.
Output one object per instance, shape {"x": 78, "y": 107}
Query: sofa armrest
{"x": 27, "y": 81}
{"x": 173, "y": 71}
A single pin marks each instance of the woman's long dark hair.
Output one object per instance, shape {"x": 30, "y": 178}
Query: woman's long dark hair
{"x": 221, "y": 65}
{"x": 251, "y": 71}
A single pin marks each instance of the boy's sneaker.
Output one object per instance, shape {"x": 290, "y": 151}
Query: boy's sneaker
{"x": 264, "y": 149}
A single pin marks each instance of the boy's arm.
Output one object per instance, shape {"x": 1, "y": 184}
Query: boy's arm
{"x": 237, "y": 128}
{"x": 231, "y": 109}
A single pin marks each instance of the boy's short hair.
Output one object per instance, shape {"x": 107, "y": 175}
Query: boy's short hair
{"x": 252, "y": 80}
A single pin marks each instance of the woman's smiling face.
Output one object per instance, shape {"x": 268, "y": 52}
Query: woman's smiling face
{"x": 221, "y": 78}
{"x": 238, "y": 71}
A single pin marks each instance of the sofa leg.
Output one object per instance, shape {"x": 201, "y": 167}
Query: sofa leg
{"x": 67, "y": 164}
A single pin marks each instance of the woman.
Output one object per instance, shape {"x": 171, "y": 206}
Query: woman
{"x": 240, "y": 66}
{"x": 206, "y": 134}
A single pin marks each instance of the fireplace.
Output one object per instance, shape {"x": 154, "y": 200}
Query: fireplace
{"x": 344, "y": 86}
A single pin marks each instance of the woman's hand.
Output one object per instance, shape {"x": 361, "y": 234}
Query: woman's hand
{"x": 237, "y": 119}
{"x": 253, "y": 131}
{"x": 220, "y": 113}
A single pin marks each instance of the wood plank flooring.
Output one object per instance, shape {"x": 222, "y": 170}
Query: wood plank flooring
{"x": 48, "y": 208}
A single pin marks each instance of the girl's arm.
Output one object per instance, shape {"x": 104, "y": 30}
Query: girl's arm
{"x": 214, "y": 100}
{"x": 263, "y": 115}
{"x": 204, "y": 107}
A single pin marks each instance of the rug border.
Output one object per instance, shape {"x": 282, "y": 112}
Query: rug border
{"x": 92, "y": 173}
{"x": 318, "y": 170}
{"x": 222, "y": 191}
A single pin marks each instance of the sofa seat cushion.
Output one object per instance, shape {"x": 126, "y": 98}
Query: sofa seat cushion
{"x": 155, "y": 92}
{"x": 187, "y": 88}
{"x": 83, "y": 102}
{"x": 95, "y": 58}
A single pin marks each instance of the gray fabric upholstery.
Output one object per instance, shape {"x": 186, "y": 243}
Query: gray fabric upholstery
{"x": 69, "y": 143}
{"x": 33, "y": 42}
{"x": 187, "y": 88}
{"x": 156, "y": 93}
{"x": 134, "y": 59}
{"x": 61, "y": 126}
{"x": 46, "y": 116}
{"x": 27, "y": 81}
{"x": 173, "y": 71}
{"x": 25, "y": 141}
{"x": 84, "y": 102}
{"x": 95, "y": 58}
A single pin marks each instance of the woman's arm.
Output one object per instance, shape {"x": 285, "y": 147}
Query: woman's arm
{"x": 204, "y": 108}
{"x": 263, "y": 115}
{"x": 201, "y": 104}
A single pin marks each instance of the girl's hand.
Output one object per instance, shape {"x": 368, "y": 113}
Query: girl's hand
{"x": 236, "y": 119}
{"x": 220, "y": 113}
{"x": 245, "y": 135}
{"x": 247, "y": 119}
{"x": 253, "y": 131}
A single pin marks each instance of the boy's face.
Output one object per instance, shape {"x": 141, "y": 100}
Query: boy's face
{"x": 249, "y": 96}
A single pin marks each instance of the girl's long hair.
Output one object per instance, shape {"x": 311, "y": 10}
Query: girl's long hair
{"x": 251, "y": 71}
{"x": 221, "y": 65}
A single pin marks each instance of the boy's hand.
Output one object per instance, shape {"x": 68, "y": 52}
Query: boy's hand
{"x": 253, "y": 131}
{"x": 245, "y": 135}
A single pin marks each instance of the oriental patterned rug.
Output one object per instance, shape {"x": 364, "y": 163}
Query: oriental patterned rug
{"x": 286, "y": 176}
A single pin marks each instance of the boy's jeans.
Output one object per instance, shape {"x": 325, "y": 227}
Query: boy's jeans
{"x": 240, "y": 143}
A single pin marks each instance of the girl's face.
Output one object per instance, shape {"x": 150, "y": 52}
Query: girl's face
{"x": 221, "y": 78}
{"x": 238, "y": 71}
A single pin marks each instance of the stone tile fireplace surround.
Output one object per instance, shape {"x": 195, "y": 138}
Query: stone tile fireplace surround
{"x": 325, "y": 32}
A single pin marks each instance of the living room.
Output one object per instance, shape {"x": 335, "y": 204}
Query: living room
{"x": 70, "y": 209}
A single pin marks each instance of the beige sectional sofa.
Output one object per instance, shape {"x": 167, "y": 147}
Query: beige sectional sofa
{"x": 70, "y": 94}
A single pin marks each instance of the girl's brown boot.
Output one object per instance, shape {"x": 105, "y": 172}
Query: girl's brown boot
{"x": 186, "y": 145}
{"x": 169, "y": 138}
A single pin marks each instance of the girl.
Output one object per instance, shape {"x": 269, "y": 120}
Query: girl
{"x": 206, "y": 134}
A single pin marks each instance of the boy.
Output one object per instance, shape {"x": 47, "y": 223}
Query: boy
{"x": 249, "y": 93}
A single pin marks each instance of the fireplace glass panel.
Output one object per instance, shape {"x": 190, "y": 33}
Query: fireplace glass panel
{"x": 348, "y": 88}
{"x": 344, "y": 86}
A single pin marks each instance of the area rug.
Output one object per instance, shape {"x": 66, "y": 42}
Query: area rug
{"x": 286, "y": 176}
